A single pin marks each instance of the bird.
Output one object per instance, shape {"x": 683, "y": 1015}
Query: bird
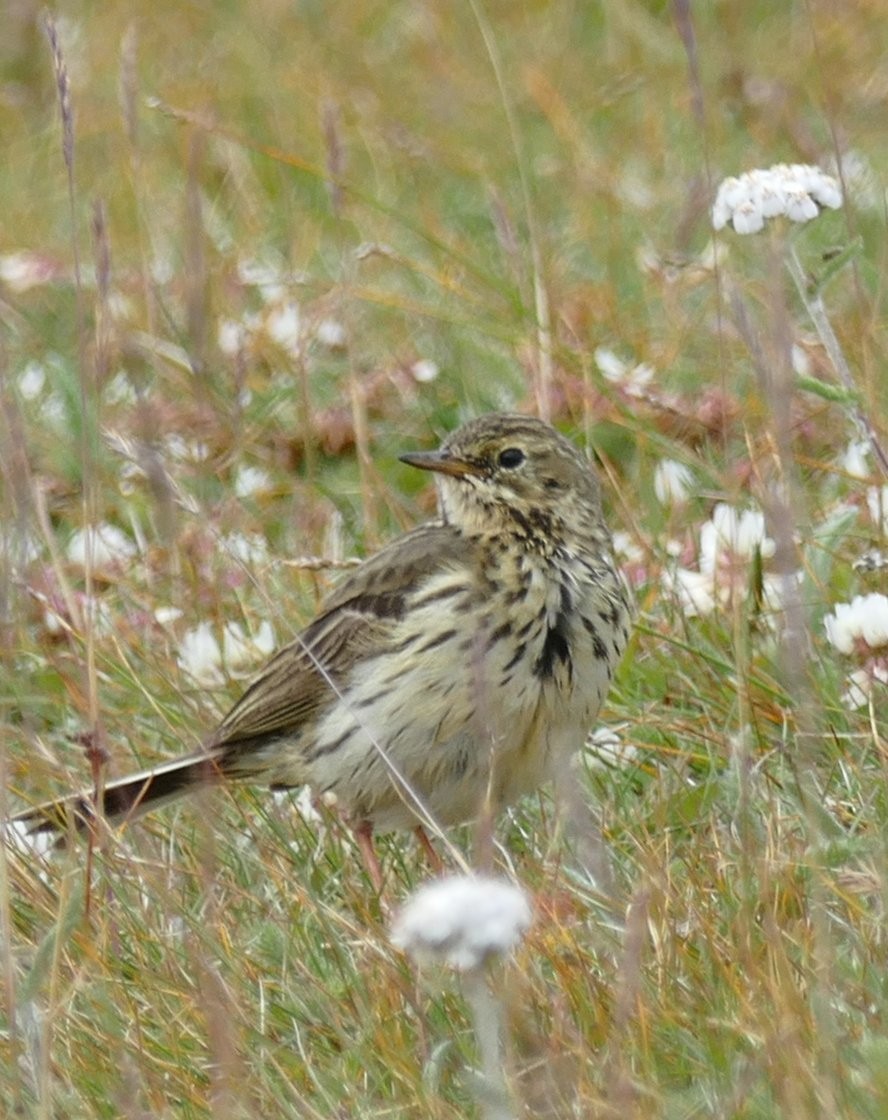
{"x": 457, "y": 669}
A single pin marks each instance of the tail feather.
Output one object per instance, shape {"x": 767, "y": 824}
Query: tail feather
{"x": 124, "y": 799}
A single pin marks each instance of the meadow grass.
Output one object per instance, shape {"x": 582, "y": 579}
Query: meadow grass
{"x": 295, "y": 241}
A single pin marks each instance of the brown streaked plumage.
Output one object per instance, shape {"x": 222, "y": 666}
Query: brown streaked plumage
{"x": 462, "y": 664}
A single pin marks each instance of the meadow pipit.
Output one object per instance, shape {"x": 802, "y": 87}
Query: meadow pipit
{"x": 457, "y": 669}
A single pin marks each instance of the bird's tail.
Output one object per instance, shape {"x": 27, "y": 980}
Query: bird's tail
{"x": 121, "y": 800}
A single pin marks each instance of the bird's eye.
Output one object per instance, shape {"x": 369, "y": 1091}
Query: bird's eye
{"x": 510, "y": 458}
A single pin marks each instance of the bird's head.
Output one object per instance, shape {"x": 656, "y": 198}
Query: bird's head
{"x": 510, "y": 473}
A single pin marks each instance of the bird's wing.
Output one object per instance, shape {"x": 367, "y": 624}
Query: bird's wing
{"x": 357, "y": 618}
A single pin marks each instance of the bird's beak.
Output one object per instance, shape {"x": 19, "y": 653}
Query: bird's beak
{"x": 444, "y": 462}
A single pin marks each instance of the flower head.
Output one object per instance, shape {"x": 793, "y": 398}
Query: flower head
{"x": 200, "y": 655}
{"x": 697, "y": 592}
{"x": 424, "y": 370}
{"x": 861, "y": 683}
{"x": 797, "y": 191}
{"x": 732, "y": 538}
{"x": 862, "y": 621}
{"x": 634, "y": 380}
{"x": 854, "y": 460}
{"x": 240, "y": 650}
{"x": 729, "y": 541}
{"x": 250, "y": 481}
{"x": 284, "y": 326}
{"x": 331, "y": 333}
{"x": 104, "y": 544}
{"x": 26, "y": 269}
{"x": 673, "y": 482}
{"x": 462, "y": 920}
{"x": 604, "y": 749}
{"x": 32, "y": 380}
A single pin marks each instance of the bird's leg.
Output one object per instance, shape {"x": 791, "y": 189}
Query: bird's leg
{"x": 435, "y": 861}
{"x": 364, "y": 836}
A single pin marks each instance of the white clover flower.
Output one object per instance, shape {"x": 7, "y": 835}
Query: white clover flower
{"x": 853, "y": 461}
{"x": 728, "y": 541}
{"x": 200, "y": 655}
{"x": 240, "y": 650}
{"x": 284, "y": 325}
{"x": 604, "y": 749}
{"x": 673, "y": 482}
{"x": 841, "y": 627}
{"x": 801, "y": 363}
{"x": 860, "y": 684}
{"x": 864, "y": 619}
{"x": 696, "y": 591}
{"x": 26, "y": 269}
{"x": 424, "y": 370}
{"x": 331, "y": 333}
{"x": 229, "y": 336}
{"x": 796, "y": 191}
{"x": 627, "y": 548}
{"x": 633, "y": 379}
{"x": 731, "y": 536}
{"x": 31, "y": 380}
{"x": 165, "y": 616}
{"x": 610, "y": 364}
{"x": 110, "y": 546}
{"x": 251, "y": 480}
{"x": 874, "y": 626}
{"x": 638, "y": 379}
{"x": 462, "y": 921}
{"x": 856, "y": 694}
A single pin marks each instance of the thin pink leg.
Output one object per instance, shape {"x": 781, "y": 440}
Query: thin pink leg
{"x": 435, "y": 861}
{"x": 364, "y": 836}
